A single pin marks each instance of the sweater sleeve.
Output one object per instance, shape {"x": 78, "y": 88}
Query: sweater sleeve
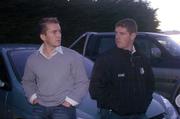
{"x": 98, "y": 85}
{"x": 28, "y": 80}
{"x": 81, "y": 82}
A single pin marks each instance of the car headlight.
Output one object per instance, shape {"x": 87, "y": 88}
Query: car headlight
{"x": 171, "y": 112}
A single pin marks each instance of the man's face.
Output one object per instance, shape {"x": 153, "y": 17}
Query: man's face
{"x": 123, "y": 38}
{"x": 52, "y": 36}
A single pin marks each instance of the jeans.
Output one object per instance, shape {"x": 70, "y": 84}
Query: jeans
{"x": 106, "y": 114}
{"x": 54, "y": 112}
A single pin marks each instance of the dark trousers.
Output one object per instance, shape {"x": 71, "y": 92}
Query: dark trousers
{"x": 55, "y": 112}
{"x": 106, "y": 114}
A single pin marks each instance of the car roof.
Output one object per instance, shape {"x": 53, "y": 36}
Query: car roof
{"x": 139, "y": 33}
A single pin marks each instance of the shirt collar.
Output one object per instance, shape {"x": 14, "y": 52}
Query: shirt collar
{"x": 133, "y": 50}
{"x": 56, "y": 50}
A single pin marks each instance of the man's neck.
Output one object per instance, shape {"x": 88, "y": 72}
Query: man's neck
{"x": 48, "y": 51}
{"x": 128, "y": 48}
{"x": 131, "y": 49}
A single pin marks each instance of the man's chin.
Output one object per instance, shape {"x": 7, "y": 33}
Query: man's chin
{"x": 119, "y": 46}
{"x": 57, "y": 45}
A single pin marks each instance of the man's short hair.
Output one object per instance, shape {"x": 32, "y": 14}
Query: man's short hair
{"x": 129, "y": 24}
{"x": 43, "y": 23}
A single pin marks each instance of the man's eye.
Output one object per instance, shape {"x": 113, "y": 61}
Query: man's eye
{"x": 123, "y": 33}
{"x": 54, "y": 32}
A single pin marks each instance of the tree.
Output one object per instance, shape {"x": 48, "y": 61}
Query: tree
{"x": 19, "y": 17}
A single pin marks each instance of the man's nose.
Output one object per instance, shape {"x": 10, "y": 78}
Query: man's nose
{"x": 58, "y": 34}
{"x": 117, "y": 36}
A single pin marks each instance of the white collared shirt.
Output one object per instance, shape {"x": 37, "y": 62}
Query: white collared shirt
{"x": 133, "y": 50}
{"x": 56, "y": 50}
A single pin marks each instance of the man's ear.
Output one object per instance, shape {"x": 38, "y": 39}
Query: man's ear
{"x": 133, "y": 36}
{"x": 42, "y": 36}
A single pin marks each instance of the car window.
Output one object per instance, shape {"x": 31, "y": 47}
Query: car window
{"x": 3, "y": 74}
{"x": 99, "y": 44}
{"x": 18, "y": 60}
{"x": 145, "y": 45}
{"x": 79, "y": 46}
{"x": 106, "y": 44}
{"x": 171, "y": 46}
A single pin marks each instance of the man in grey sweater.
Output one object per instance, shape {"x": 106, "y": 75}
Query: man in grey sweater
{"x": 54, "y": 79}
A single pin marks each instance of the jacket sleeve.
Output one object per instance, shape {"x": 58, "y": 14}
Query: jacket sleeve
{"x": 28, "y": 80}
{"x": 150, "y": 80}
{"x": 98, "y": 84}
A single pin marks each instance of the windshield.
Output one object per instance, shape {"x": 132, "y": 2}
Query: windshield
{"x": 169, "y": 44}
{"x": 18, "y": 60}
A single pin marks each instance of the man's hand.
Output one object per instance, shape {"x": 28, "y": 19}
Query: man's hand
{"x": 35, "y": 101}
{"x": 66, "y": 104}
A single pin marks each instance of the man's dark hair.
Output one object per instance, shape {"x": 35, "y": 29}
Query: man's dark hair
{"x": 129, "y": 24}
{"x": 44, "y": 21}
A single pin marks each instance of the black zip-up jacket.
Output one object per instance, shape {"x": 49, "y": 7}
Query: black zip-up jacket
{"x": 122, "y": 81}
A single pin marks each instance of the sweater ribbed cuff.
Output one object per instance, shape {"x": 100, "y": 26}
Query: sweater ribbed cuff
{"x": 71, "y": 101}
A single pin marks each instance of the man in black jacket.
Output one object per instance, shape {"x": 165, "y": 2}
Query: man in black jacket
{"x": 122, "y": 80}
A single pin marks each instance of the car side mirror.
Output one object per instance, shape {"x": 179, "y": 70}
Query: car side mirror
{"x": 155, "y": 52}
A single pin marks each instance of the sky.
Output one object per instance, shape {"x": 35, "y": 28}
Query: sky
{"x": 168, "y": 14}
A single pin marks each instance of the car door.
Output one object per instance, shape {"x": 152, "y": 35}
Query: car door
{"x": 160, "y": 62}
{"x": 18, "y": 105}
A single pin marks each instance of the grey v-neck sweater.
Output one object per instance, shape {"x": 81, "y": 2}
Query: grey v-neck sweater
{"x": 55, "y": 78}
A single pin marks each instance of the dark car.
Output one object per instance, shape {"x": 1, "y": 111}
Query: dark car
{"x": 161, "y": 50}
{"x": 14, "y": 105}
